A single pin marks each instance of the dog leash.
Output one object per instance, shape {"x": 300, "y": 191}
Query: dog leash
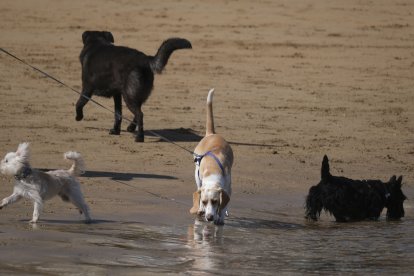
{"x": 159, "y": 196}
{"x": 89, "y": 98}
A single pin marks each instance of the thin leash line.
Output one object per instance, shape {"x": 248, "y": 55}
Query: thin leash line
{"x": 58, "y": 81}
{"x": 90, "y": 99}
{"x": 152, "y": 193}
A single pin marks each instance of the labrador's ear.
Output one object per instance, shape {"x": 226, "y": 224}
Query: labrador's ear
{"x": 108, "y": 36}
{"x": 196, "y": 203}
{"x": 224, "y": 199}
{"x": 85, "y": 36}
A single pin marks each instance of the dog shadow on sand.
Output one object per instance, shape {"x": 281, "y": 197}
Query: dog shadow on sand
{"x": 190, "y": 135}
{"x": 125, "y": 176}
{"x": 175, "y": 134}
{"x": 120, "y": 176}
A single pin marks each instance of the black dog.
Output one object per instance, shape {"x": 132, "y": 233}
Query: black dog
{"x": 121, "y": 72}
{"x": 352, "y": 200}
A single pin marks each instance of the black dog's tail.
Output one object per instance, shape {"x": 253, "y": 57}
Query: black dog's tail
{"x": 325, "y": 168}
{"x": 159, "y": 61}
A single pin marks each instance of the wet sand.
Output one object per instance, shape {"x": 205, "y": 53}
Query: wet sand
{"x": 294, "y": 81}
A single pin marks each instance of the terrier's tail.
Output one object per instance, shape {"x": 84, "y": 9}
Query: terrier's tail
{"x": 78, "y": 166}
{"x": 159, "y": 61}
{"x": 210, "y": 119}
{"x": 325, "y": 168}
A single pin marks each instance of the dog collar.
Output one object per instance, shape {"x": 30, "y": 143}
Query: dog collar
{"x": 199, "y": 157}
{"x": 26, "y": 171}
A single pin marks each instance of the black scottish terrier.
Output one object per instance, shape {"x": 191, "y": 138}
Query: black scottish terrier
{"x": 353, "y": 200}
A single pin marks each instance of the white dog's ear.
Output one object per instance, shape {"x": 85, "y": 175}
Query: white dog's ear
{"x": 224, "y": 199}
{"x": 196, "y": 202}
{"x": 23, "y": 151}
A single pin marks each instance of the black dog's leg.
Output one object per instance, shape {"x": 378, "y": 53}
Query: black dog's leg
{"x": 118, "y": 115}
{"x": 139, "y": 118}
{"x": 132, "y": 126}
{"x": 83, "y": 100}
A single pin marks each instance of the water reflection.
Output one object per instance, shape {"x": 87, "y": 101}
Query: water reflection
{"x": 203, "y": 238}
{"x": 244, "y": 245}
{"x": 205, "y": 232}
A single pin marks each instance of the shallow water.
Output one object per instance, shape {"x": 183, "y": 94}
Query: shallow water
{"x": 245, "y": 245}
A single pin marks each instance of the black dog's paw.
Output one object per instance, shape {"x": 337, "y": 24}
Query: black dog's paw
{"x": 79, "y": 116}
{"x": 311, "y": 217}
{"x": 131, "y": 128}
{"x": 139, "y": 138}
{"x": 115, "y": 131}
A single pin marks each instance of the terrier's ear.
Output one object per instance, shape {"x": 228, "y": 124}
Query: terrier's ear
{"x": 399, "y": 180}
{"x": 393, "y": 179}
{"x": 85, "y": 36}
{"x": 108, "y": 36}
{"x": 224, "y": 199}
{"x": 23, "y": 150}
{"x": 196, "y": 202}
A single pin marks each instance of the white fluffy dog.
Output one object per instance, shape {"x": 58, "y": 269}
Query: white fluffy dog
{"x": 39, "y": 186}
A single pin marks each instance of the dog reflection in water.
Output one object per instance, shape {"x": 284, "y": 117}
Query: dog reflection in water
{"x": 203, "y": 239}
{"x": 203, "y": 231}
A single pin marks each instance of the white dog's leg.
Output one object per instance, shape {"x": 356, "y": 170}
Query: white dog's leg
{"x": 77, "y": 199}
{"x": 10, "y": 199}
{"x": 36, "y": 212}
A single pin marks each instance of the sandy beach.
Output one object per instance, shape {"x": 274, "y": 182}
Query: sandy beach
{"x": 294, "y": 80}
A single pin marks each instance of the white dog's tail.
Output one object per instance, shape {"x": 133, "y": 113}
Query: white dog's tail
{"x": 78, "y": 166}
{"x": 210, "y": 119}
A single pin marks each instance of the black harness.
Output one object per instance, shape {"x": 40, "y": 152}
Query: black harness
{"x": 24, "y": 173}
